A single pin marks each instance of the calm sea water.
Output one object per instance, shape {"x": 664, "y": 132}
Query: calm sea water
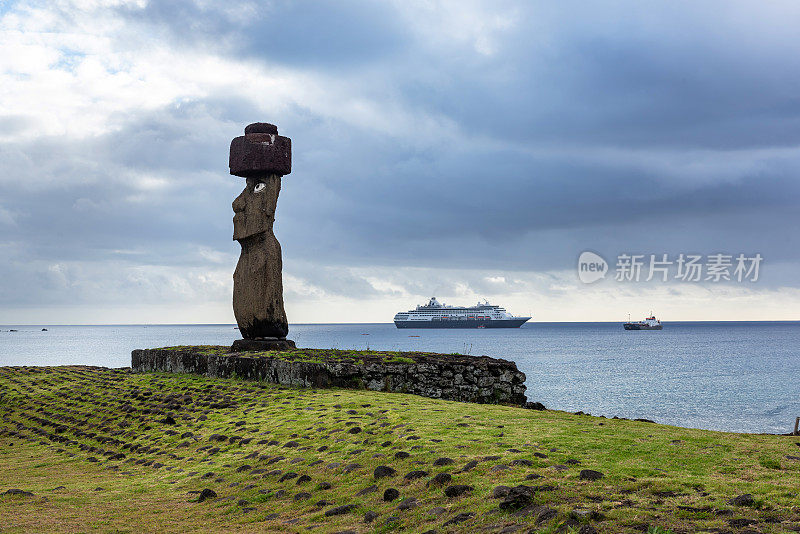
{"x": 742, "y": 377}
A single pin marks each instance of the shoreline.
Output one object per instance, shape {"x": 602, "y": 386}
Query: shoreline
{"x": 616, "y": 381}
{"x": 567, "y": 412}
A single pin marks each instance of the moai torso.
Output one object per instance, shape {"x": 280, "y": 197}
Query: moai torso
{"x": 262, "y": 157}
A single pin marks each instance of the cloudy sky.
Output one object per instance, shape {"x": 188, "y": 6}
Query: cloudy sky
{"x": 466, "y": 149}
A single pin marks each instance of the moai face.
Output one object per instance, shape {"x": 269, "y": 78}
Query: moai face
{"x": 262, "y": 157}
{"x": 254, "y": 208}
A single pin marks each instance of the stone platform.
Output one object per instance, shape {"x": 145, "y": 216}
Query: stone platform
{"x": 262, "y": 345}
{"x": 441, "y": 376}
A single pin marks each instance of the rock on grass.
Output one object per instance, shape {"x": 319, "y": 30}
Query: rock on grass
{"x": 745, "y": 499}
{"x": 288, "y": 476}
{"x": 207, "y": 494}
{"x": 460, "y": 518}
{"x": 18, "y": 492}
{"x": 540, "y": 514}
{"x": 517, "y": 497}
{"x": 407, "y": 504}
{"x": 440, "y": 480}
{"x": 340, "y": 510}
{"x": 469, "y": 466}
{"x": 368, "y": 489}
{"x": 384, "y": 471}
{"x": 590, "y": 474}
{"x": 500, "y": 491}
{"x": 457, "y": 490}
{"x": 413, "y": 475}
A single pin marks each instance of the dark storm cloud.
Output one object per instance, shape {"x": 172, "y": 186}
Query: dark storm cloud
{"x": 666, "y": 128}
{"x": 685, "y": 75}
{"x": 682, "y": 75}
{"x": 529, "y": 212}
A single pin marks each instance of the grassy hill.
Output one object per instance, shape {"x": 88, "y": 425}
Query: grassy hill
{"x": 97, "y": 449}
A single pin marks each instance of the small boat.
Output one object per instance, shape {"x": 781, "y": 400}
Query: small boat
{"x": 650, "y": 323}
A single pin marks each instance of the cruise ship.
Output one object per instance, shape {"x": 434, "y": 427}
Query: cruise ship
{"x": 436, "y": 315}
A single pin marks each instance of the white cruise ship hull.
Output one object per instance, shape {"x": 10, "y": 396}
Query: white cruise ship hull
{"x": 516, "y": 322}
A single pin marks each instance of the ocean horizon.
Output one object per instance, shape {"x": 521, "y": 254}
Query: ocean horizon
{"x": 526, "y": 325}
{"x": 718, "y": 375}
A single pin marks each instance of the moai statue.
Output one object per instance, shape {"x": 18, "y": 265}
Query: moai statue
{"x": 262, "y": 157}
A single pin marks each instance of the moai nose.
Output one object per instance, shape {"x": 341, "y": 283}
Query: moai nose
{"x": 239, "y": 203}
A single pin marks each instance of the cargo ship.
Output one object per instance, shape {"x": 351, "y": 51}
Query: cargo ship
{"x": 437, "y": 315}
{"x": 650, "y": 323}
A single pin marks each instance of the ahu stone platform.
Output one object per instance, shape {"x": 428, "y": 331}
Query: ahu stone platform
{"x": 441, "y": 376}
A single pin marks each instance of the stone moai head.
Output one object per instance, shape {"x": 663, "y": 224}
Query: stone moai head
{"x": 262, "y": 157}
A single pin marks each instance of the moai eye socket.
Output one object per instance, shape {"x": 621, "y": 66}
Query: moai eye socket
{"x": 260, "y": 186}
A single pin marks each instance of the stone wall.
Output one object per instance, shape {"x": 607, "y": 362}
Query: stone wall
{"x": 462, "y": 378}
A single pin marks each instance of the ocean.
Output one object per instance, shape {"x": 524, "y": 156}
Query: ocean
{"x": 731, "y": 376}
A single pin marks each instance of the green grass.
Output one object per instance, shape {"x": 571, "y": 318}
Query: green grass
{"x": 657, "y": 478}
{"x": 399, "y": 359}
{"x": 317, "y": 355}
{"x": 770, "y": 463}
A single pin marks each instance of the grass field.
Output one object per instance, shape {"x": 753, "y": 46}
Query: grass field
{"x": 307, "y": 355}
{"x": 108, "y": 450}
